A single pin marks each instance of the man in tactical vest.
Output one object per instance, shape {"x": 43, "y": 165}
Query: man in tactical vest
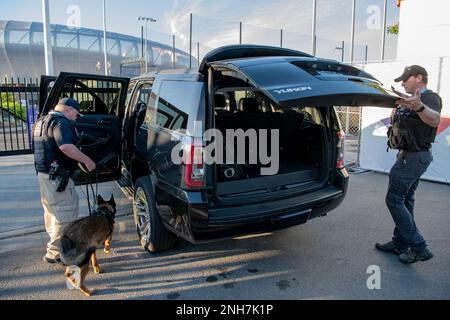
{"x": 413, "y": 130}
{"x": 56, "y": 157}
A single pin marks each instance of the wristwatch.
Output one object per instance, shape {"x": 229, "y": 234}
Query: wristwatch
{"x": 421, "y": 108}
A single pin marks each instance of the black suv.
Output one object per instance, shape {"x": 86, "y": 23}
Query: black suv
{"x": 133, "y": 128}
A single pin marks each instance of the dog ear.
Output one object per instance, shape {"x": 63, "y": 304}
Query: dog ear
{"x": 111, "y": 201}
{"x": 100, "y": 199}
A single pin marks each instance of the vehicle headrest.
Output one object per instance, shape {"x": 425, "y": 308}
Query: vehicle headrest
{"x": 219, "y": 101}
{"x": 249, "y": 105}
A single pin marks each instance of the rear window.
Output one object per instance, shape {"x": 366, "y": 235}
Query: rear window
{"x": 316, "y": 68}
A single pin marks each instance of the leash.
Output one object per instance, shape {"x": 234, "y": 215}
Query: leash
{"x": 94, "y": 194}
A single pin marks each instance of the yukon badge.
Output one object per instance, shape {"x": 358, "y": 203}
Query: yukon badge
{"x": 292, "y": 90}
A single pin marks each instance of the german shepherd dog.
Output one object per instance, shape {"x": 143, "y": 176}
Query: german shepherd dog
{"x": 81, "y": 238}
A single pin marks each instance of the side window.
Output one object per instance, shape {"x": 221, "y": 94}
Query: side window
{"x": 141, "y": 99}
{"x": 130, "y": 92}
{"x": 170, "y": 117}
{"x": 177, "y": 100}
{"x": 94, "y": 96}
{"x": 151, "y": 110}
{"x": 144, "y": 94}
{"x": 239, "y": 95}
{"x": 311, "y": 115}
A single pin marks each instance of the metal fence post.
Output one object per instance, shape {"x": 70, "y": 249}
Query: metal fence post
{"x": 198, "y": 54}
{"x": 190, "y": 41}
{"x": 240, "y": 32}
{"x": 174, "y": 53}
{"x": 314, "y": 24}
{"x": 347, "y": 120}
{"x": 281, "y": 38}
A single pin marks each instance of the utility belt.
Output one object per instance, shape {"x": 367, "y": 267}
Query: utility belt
{"x": 59, "y": 177}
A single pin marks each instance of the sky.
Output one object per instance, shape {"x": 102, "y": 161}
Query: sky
{"x": 216, "y": 22}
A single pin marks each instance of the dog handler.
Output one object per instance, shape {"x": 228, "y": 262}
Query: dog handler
{"x": 413, "y": 131}
{"x": 56, "y": 157}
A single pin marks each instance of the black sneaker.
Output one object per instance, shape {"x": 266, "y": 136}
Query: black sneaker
{"x": 389, "y": 247}
{"x": 52, "y": 261}
{"x": 412, "y": 256}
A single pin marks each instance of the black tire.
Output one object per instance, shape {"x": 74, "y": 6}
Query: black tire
{"x": 153, "y": 235}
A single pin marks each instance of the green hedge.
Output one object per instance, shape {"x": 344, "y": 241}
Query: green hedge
{"x": 15, "y": 108}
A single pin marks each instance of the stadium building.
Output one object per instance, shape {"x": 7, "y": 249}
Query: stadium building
{"x": 78, "y": 50}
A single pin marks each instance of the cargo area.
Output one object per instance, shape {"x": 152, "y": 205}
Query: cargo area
{"x": 301, "y": 146}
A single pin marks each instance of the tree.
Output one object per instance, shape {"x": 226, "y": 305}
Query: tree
{"x": 393, "y": 29}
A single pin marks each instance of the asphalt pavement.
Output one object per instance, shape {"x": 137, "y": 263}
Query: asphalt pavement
{"x": 327, "y": 258}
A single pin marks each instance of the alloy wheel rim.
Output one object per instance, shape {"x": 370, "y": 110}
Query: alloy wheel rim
{"x": 140, "y": 205}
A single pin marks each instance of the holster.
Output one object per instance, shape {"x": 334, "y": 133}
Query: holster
{"x": 401, "y": 138}
{"x": 59, "y": 178}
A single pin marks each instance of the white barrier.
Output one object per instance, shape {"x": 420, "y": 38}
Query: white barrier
{"x": 375, "y": 121}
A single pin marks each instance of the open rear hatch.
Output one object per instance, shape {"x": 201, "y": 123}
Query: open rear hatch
{"x": 291, "y": 85}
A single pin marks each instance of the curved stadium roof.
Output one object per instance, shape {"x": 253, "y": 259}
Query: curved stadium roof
{"x": 76, "y": 50}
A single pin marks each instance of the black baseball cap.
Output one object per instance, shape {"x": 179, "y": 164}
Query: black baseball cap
{"x": 413, "y": 70}
{"x": 70, "y": 102}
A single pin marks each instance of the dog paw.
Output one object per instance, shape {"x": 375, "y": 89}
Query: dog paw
{"x": 72, "y": 281}
{"x": 98, "y": 270}
{"x": 88, "y": 292}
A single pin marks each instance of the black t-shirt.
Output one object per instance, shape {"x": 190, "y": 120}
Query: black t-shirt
{"x": 424, "y": 134}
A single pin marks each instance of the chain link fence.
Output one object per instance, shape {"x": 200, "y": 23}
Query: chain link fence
{"x": 350, "y": 118}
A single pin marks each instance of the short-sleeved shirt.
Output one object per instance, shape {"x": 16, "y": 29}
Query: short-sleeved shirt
{"x": 424, "y": 134}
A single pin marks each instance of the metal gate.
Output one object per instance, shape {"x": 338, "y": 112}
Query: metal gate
{"x": 19, "y": 105}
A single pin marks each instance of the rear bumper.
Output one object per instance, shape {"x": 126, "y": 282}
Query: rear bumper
{"x": 221, "y": 223}
{"x": 204, "y": 223}
{"x": 274, "y": 209}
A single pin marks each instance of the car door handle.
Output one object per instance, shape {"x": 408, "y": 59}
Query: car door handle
{"x": 105, "y": 121}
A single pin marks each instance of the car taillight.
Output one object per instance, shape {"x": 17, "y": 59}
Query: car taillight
{"x": 194, "y": 167}
{"x": 340, "y": 164}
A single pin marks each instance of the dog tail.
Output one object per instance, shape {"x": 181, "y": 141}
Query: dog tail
{"x": 70, "y": 256}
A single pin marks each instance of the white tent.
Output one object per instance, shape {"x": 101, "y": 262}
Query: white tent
{"x": 423, "y": 40}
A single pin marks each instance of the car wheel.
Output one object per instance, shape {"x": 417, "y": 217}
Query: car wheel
{"x": 152, "y": 233}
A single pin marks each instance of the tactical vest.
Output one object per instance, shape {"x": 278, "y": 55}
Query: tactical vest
{"x": 411, "y": 133}
{"x": 44, "y": 146}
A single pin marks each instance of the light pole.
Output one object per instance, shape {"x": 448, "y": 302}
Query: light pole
{"x": 146, "y": 19}
{"x": 352, "y": 41}
{"x": 104, "y": 39}
{"x": 47, "y": 41}
{"x": 383, "y": 38}
{"x": 314, "y": 26}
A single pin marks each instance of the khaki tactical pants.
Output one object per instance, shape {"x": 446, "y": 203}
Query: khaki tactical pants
{"x": 60, "y": 208}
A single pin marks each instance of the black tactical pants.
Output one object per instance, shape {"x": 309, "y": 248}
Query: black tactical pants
{"x": 403, "y": 181}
